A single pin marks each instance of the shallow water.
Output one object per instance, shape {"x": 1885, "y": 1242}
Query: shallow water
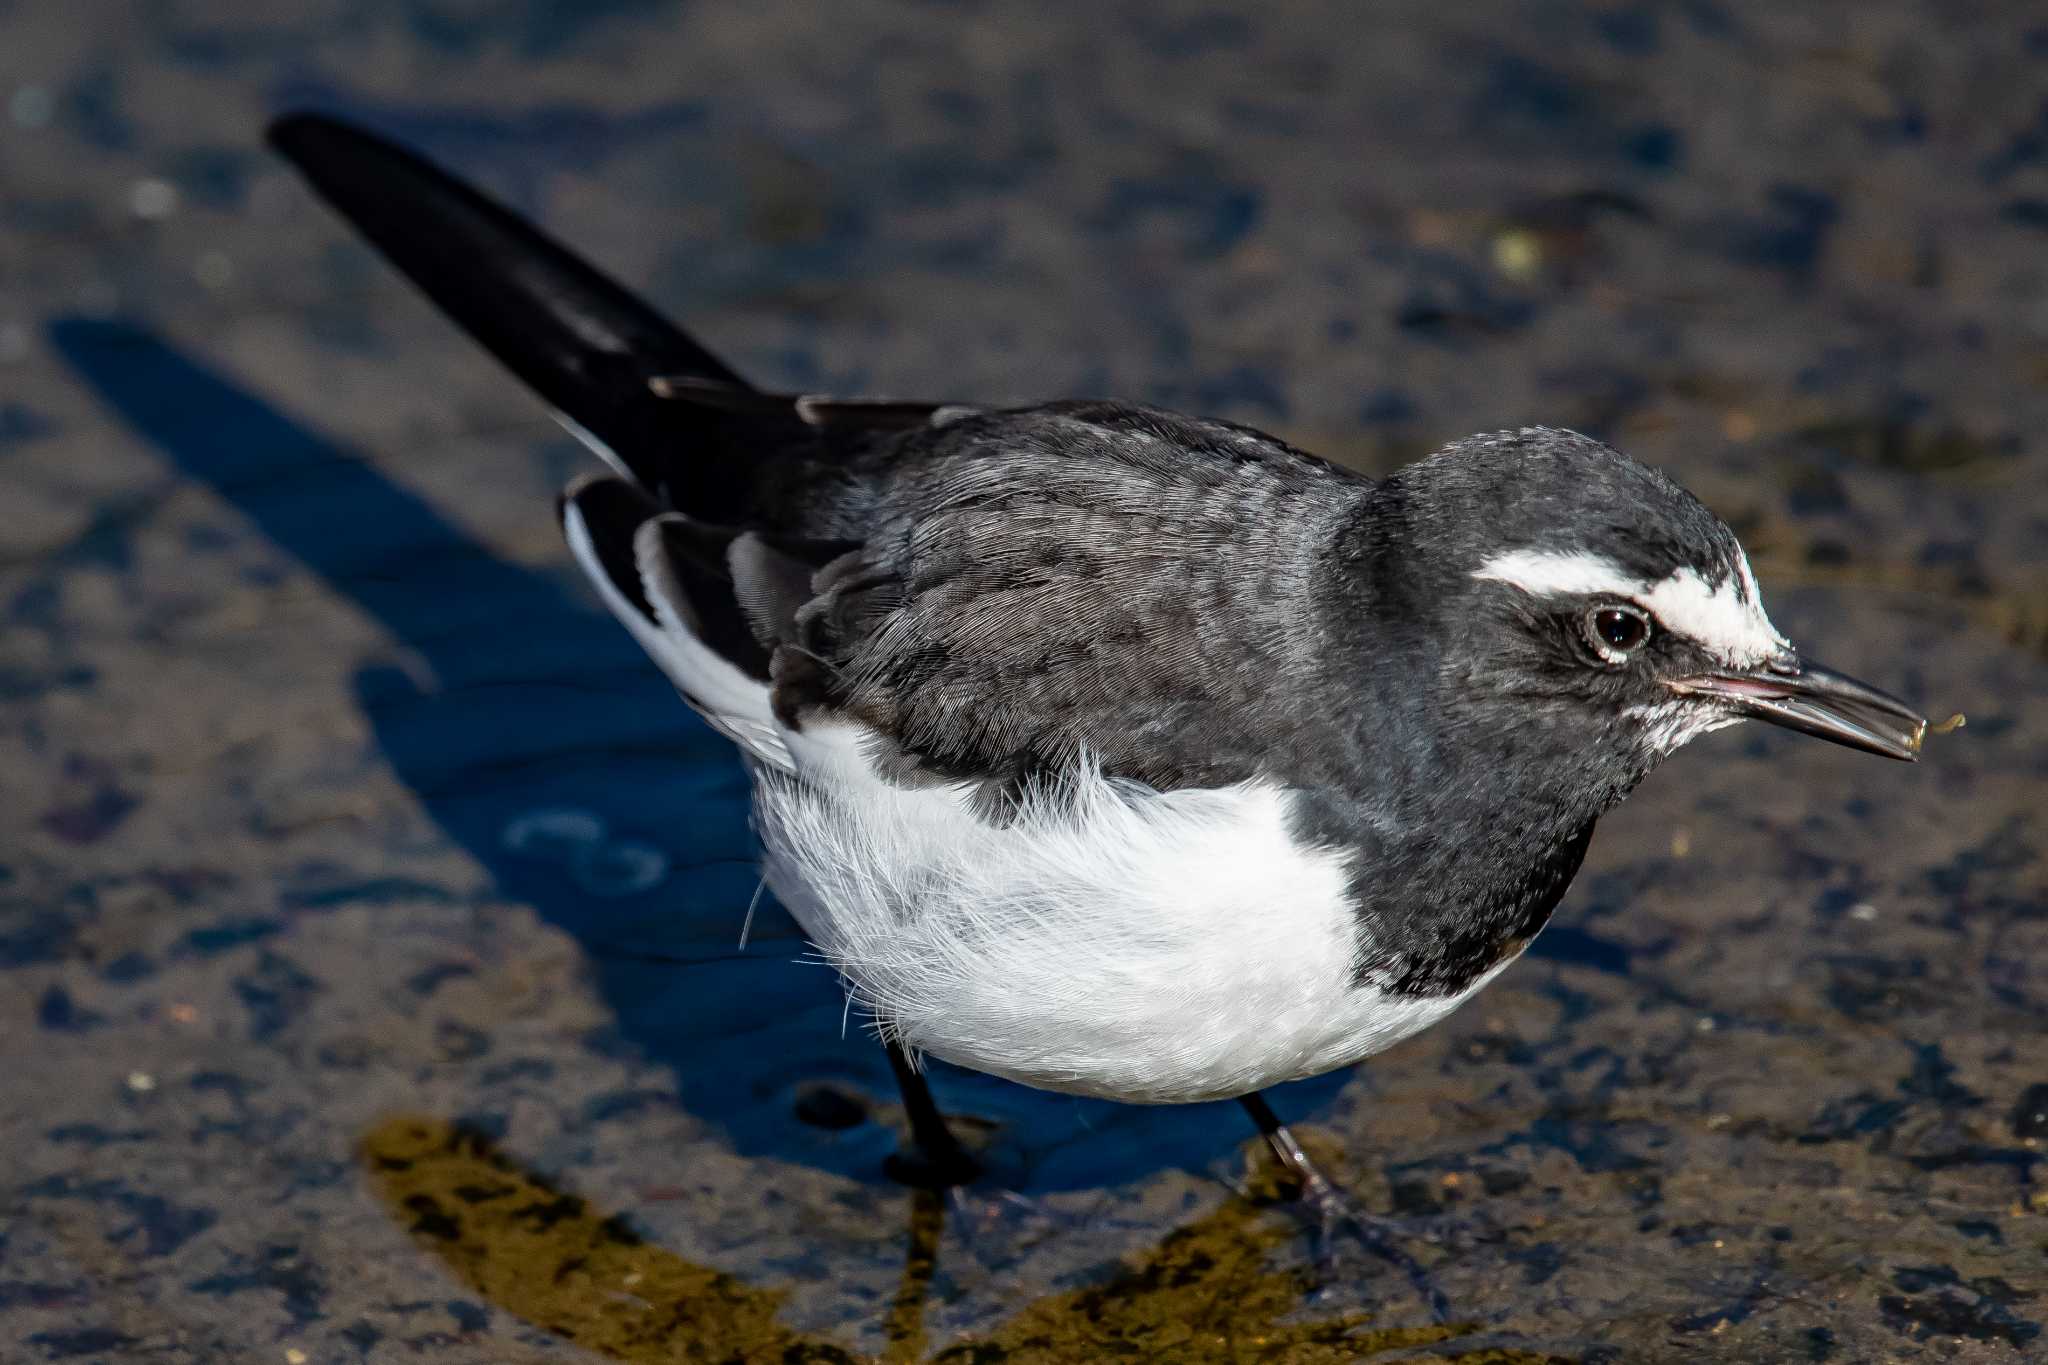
{"x": 341, "y": 827}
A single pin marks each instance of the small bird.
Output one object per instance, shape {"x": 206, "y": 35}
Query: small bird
{"x": 1112, "y": 750}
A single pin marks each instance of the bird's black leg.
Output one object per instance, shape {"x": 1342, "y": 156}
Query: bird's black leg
{"x": 1334, "y": 1206}
{"x": 939, "y": 1161}
{"x": 1332, "y": 1203}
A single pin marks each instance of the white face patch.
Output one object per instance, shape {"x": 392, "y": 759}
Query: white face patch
{"x": 1726, "y": 619}
{"x": 1671, "y": 725}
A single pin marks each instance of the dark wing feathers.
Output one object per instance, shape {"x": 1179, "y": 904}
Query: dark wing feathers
{"x": 995, "y": 593}
{"x": 682, "y": 564}
{"x": 771, "y": 584}
{"x": 1030, "y": 588}
{"x": 815, "y": 410}
{"x": 610, "y": 511}
{"x": 1081, "y": 579}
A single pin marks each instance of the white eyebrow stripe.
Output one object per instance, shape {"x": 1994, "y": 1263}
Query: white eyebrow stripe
{"x": 1716, "y": 616}
{"x": 1727, "y": 618}
{"x": 1749, "y": 587}
{"x": 1547, "y": 573}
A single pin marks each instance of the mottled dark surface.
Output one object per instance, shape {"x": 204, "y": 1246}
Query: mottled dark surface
{"x": 336, "y": 817}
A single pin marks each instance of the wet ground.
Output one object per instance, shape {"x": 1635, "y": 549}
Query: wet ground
{"x": 369, "y": 909}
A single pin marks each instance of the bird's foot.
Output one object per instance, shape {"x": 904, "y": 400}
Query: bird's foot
{"x": 998, "y": 1228}
{"x": 1335, "y": 1208}
{"x": 996, "y": 1225}
{"x": 947, "y": 1168}
{"x": 1334, "y": 1211}
{"x": 1337, "y": 1217}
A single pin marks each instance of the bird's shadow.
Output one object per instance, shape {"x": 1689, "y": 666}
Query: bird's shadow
{"x": 540, "y": 739}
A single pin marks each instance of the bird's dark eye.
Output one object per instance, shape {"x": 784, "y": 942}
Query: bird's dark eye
{"x": 1617, "y": 631}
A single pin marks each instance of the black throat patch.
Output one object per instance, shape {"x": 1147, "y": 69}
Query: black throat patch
{"x": 1457, "y": 945}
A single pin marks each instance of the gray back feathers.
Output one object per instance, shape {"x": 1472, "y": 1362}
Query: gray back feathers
{"x": 1079, "y": 579}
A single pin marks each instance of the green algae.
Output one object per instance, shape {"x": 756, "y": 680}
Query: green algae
{"x": 551, "y": 1259}
{"x": 1206, "y": 1293}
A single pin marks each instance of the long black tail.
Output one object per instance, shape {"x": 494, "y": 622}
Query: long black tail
{"x": 585, "y": 344}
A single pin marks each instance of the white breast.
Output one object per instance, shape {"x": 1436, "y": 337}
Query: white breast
{"x": 1111, "y": 941}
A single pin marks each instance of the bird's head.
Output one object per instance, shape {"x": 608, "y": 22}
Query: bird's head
{"x": 1585, "y": 604}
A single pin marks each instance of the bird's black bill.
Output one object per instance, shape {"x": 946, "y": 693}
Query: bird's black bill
{"x": 1819, "y": 701}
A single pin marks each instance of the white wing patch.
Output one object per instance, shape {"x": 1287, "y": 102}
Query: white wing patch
{"x": 736, "y": 705}
{"x": 1726, "y": 618}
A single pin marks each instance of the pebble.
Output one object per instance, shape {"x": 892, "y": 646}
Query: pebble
{"x": 153, "y": 199}
{"x": 213, "y": 269}
{"x": 2030, "y": 1115}
{"x": 32, "y": 106}
{"x": 1518, "y": 254}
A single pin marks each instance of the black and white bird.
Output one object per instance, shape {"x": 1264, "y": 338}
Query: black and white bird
{"x": 1111, "y": 750}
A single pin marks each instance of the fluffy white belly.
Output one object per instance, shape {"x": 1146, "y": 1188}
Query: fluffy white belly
{"x": 1114, "y": 941}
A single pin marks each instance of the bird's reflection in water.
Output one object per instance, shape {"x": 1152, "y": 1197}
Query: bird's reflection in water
{"x": 1205, "y": 1292}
